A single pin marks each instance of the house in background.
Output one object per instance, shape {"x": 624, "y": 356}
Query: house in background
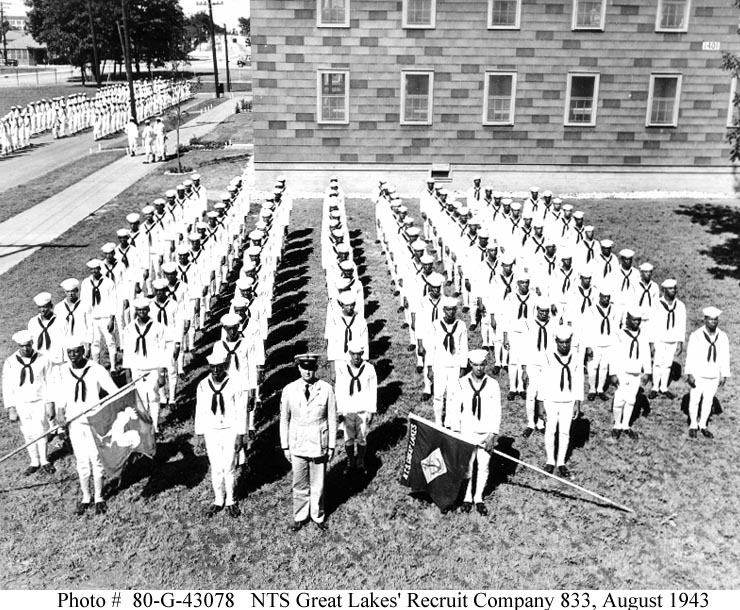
{"x": 23, "y": 48}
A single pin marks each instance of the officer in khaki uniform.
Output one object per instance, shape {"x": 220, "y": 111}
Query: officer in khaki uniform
{"x": 308, "y": 433}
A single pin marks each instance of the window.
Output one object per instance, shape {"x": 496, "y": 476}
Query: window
{"x": 665, "y": 91}
{"x": 504, "y": 14}
{"x": 419, "y": 13}
{"x": 499, "y": 93}
{"x": 416, "y": 98}
{"x": 333, "y": 13}
{"x": 588, "y": 15}
{"x": 673, "y": 16}
{"x": 732, "y": 111}
{"x": 332, "y": 103}
{"x": 580, "y": 99}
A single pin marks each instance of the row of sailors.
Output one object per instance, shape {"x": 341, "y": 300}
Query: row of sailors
{"x": 504, "y": 295}
{"x": 346, "y": 332}
{"x": 150, "y": 345}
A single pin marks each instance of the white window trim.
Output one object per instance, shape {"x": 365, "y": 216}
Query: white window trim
{"x": 599, "y": 28}
{"x": 731, "y": 108}
{"x": 592, "y": 122}
{"x": 516, "y": 26}
{"x": 414, "y": 26}
{"x": 319, "y": 24}
{"x": 674, "y": 122}
{"x": 430, "y": 104}
{"x": 319, "y": 119}
{"x": 512, "y": 101}
{"x": 658, "y": 14}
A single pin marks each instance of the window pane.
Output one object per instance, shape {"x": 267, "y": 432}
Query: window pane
{"x": 672, "y": 14}
{"x": 333, "y": 97}
{"x": 588, "y": 14}
{"x": 419, "y": 12}
{"x": 664, "y": 100}
{"x": 499, "y": 98}
{"x": 417, "y": 98}
{"x": 665, "y": 87}
{"x": 417, "y": 84}
{"x": 503, "y": 12}
{"x": 580, "y": 109}
{"x": 332, "y": 84}
{"x": 332, "y": 11}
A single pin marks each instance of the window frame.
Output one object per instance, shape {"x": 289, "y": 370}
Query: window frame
{"x": 602, "y": 20}
{"x": 676, "y": 99}
{"x": 414, "y": 26}
{"x": 659, "y": 14}
{"x": 320, "y": 120}
{"x": 594, "y": 107}
{"x": 516, "y": 25}
{"x": 512, "y": 97}
{"x": 320, "y": 24}
{"x": 731, "y": 108}
{"x": 430, "y": 102}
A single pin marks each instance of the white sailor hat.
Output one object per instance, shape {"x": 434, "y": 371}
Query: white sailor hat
{"x": 635, "y": 311}
{"x": 347, "y": 266}
{"x": 516, "y": 206}
{"x": 626, "y": 253}
{"x": 534, "y": 189}
{"x": 527, "y": 214}
{"x": 256, "y": 234}
{"x": 182, "y": 249}
{"x": 180, "y": 187}
{"x": 261, "y": 225}
{"x": 108, "y": 247}
{"x": 538, "y": 222}
{"x": 484, "y": 233}
{"x": 169, "y": 267}
{"x": 711, "y": 312}
{"x": 343, "y": 248}
{"x": 413, "y": 231}
{"x": 563, "y": 332}
{"x": 347, "y": 298}
{"x": 123, "y": 233}
{"x": 547, "y": 193}
{"x": 606, "y": 243}
{"x": 463, "y": 210}
{"x": 669, "y": 283}
{"x": 160, "y": 283}
{"x": 265, "y": 212}
{"x": 42, "y": 298}
{"x": 70, "y": 284}
{"x": 195, "y": 236}
{"x": 564, "y": 252}
{"x": 605, "y": 288}
{"x": 426, "y": 259}
{"x": 254, "y": 250}
{"x": 578, "y": 214}
{"x": 141, "y": 303}
{"x": 567, "y": 207}
{"x": 158, "y": 202}
{"x": 338, "y": 232}
{"x": 334, "y": 222}
{"x": 508, "y": 259}
{"x": 523, "y": 275}
{"x": 549, "y": 240}
{"x": 356, "y": 346}
{"x": 646, "y": 267}
{"x": 589, "y": 228}
{"x": 230, "y": 319}
{"x": 492, "y": 245}
{"x": 133, "y": 217}
{"x": 249, "y": 265}
{"x": 543, "y": 303}
{"x": 217, "y": 356}
{"x": 73, "y": 342}
{"x": 194, "y": 177}
{"x": 506, "y": 201}
{"x": 219, "y": 206}
{"x": 170, "y": 193}
{"x": 474, "y": 222}
{"x": 419, "y": 245}
{"x": 94, "y": 263}
{"x": 22, "y": 337}
{"x": 187, "y": 183}
{"x": 557, "y": 200}
{"x": 477, "y": 356}
{"x": 477, "y": 178}
{"x": 239, "y": 302}
{"x": 449, "y": 302}
{"x": 244, "y": 282}
{"x": 212, "y": 214}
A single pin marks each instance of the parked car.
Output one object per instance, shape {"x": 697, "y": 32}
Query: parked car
{"x": 11, "y": 62}
{"x": 243, "y": 61}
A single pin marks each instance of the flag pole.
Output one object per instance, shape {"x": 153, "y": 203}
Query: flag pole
{"x": 100, "y": 403}
{"x": 565, "y": 481}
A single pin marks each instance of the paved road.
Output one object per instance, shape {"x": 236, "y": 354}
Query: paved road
{"x": 25, "y": 233}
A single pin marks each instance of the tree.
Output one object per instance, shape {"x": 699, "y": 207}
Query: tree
{"x": 199, "y": 28}
{"x": 157, "y": 31}
{"x": 731, "y": 64}
{"x": 245, "y": 27}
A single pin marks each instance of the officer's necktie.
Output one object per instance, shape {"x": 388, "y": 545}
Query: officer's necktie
{"x": 607, "y": 264}
{"x": 507, "y": 280}
{"x": 307, "y": 391}
{"x": 522, "y": 306}
{"x": 355, "y": 380}
{"x": 231, "y": 353}
{"x": 80, "y": 385}
{"x": 449, "y": 341}
{"x": 44, "y": 340}
{"x": 646, "y": 293}
{"x": 625, "y": 279}
{"x": 71, "y": 316}
{"x": 605, "y": 322}
{"x": 712, "y": 351}
{"x": 589, "y": 250}
{"x": 566, "y": 280}
{"x": 541, "y": 336}
{"x": 477, "y": 402}
{"x": 217, "y": 398}
{"x": 565, "y": 371}
{"x": 141, "y": 338}
{"x": 586, "y": 298}
{"x": 348, "y": 330}
{"x": 95, "y": 291}
{"x": 26, "y": 368}
{"x": 671, "y": 314}
{"x": 634, "y": 345}
{"x": 162, "y": 312}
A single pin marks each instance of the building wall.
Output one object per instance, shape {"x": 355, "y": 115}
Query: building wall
{"x": 288, "y": 48}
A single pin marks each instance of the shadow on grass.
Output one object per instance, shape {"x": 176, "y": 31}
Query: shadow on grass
{"x": 265, "y": 462}
{"x": 718, "y": 220}
{"x": 716, "y": 407}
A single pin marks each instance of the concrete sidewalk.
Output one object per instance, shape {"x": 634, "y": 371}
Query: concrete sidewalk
{"x": 25, "y": 233}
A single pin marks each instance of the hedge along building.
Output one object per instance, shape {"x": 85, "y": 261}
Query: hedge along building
{"x": 596, "y": 95}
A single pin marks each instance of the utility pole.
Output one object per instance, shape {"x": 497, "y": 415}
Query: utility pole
{"x": 226, "y": 50}
{"x": 127, "y": 59}
{"x": 213, "y": 42}
{"x": 2, "y": 28}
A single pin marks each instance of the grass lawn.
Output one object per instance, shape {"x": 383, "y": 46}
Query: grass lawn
{"x": 238, "y": 129}
{"x": 538, "y": 535}
{"x": 20, "y": 96}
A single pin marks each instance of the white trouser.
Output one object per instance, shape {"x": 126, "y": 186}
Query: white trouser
{"x": 516, "y": 351}
{"x": 706, "y": 388}
{"x": 559, "y": 418}
{"x": 148, "y": 388}
{"x": 87, "y": 459}
{"x": 483, "y": 458}
{"x": 308, "y": 488}
{"x": 222, "y": 457}
{"x": 598, "y": 364}
{"x": 355, "y": 428}
{"x": 662, "y": 362}
{"x": 172, "y": 370}
{"x": 100, "y": 334}
{"x": 33, "y": 422}
{"x": 534, "y": 372}
{"x": 132, "y": 143}
{"x": 624, "y": 399}
{"x": 445, "y": 380}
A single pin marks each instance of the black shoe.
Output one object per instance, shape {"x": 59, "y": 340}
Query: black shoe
{"x": 591, "y": 396}
{"x": 30, "y": 470}
{"x": 510, "y": 396}
{"x": 101, "y": 507}
{"x": 425, "y": 396}
{"x": 616, "y": 433}
{"x": 472, "y": 327}
{"x": 466, "y": 507}
{"x": 523, "y": 395}
{"x": 541, "y": 430}
{"x": 652, "y": 395}
{"x": 465, "y": 309}
{"x": 527, "y": 432}
{"x": 496, "y": 370}
{"x": 419, "y": 369}
{"x": 404, "y": 325}
{"x": 322, "y": 526}
{"x": 706, "y": 433}
{"x": 692, "y": 433}
{"x": 563, "y": 472}
{"x": 603, "y": 396}
{"x": 213, "y": 510}
{"x": 81, "y": 508}
{"x": 411, "y": 347}
{"x": 549, "y": 468}
{"x": 632, "y": 434}
{"x": 233, "y": 511}
{"x": 297, "y": 526}
{"x": 669, "y": 395}
{"x": 400, "y": 310}
{"x": 481, "y": 508}
{"x": 48, "y": 469}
